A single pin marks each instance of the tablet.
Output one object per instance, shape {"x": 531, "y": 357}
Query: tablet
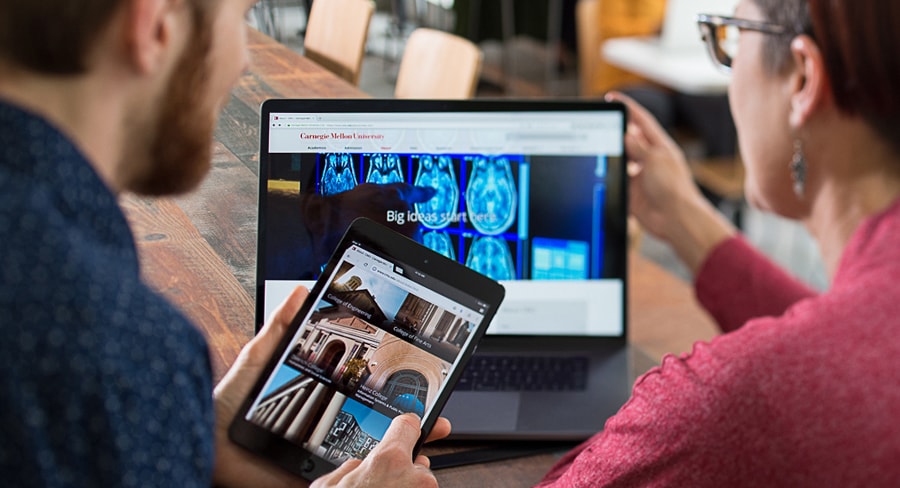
{"x": 387, "y": 329}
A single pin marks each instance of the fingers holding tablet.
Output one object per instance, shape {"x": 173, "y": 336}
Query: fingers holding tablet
{"x": 389, "y": 464}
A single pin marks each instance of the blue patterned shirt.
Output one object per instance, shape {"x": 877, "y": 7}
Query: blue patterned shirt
{"x": 102, "y": 382}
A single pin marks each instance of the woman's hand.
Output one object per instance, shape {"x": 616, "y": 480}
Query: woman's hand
{"x": 660, "y": 178}
{"x": 662, "y": 193}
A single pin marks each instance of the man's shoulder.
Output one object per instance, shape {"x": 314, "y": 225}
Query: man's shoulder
{"x": 94, "y": 361}
{"x": 46, "y": 251}
{"x": 61, "y": 269}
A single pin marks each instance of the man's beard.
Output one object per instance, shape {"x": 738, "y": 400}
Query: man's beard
{"x": 178, "y": 151}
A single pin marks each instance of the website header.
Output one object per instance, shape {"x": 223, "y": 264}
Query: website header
{"x": 536, "y": 133}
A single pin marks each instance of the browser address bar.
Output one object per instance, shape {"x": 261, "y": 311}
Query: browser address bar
{"x": 390, "y": 275}
{"x": 443, "y": 126}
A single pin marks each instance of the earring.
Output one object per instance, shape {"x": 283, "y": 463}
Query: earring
{"x": 798, "y": 169}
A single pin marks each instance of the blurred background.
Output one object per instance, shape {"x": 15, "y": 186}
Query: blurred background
{"x": 651, "y": 49}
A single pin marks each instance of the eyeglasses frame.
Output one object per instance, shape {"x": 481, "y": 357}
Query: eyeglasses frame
{"x": 708, "y": 24}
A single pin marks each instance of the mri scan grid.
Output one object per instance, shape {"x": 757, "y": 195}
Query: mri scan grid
{"x": 472, "y": 216}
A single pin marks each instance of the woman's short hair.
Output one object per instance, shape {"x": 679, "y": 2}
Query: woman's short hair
{"x": 860, "y": 43}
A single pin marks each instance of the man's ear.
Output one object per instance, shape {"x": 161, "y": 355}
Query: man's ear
{"x": 150, "y": 27}
{"x": 809, "y": 85}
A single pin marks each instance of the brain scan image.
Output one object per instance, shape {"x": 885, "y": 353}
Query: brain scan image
{"x": 338, "y": 175}
{"x": 438, "y": 173}
{"x": 384, "y": 168}
{"x": 491, "y": 195}
{"x": 490, "y": 256}
{"x": 440, "y": 242}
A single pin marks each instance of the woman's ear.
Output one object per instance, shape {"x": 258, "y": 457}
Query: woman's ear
{"x": 810, "y": 88}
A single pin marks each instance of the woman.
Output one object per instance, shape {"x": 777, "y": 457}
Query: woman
{"x": 802, "y": 390}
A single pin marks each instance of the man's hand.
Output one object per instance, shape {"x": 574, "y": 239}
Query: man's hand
{"x": 391, "y": 462}
{"x": 234, "y": 466}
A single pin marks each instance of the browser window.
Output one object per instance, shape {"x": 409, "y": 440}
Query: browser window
{"x": 522, "y": 197}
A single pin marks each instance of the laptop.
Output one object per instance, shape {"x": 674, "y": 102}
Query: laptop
{"x": 530, "y": 193}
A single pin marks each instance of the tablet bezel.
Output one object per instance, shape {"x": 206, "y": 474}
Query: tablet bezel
{"x": 395, "y": 247}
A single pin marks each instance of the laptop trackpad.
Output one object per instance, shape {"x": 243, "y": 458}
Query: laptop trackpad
{"x": 471, "y": 411}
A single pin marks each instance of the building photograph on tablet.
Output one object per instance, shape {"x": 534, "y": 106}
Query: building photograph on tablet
{"x": 380, "y": 335}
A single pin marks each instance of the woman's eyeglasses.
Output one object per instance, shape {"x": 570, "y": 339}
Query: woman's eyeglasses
{"x": 721, "y": 35}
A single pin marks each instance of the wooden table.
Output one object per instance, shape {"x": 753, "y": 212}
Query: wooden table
{"x": 199, "y": 250}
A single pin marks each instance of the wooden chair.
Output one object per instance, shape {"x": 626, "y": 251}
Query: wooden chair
{"x": 336, "y": 35}
{"x": 588, "y": 40}
{"x": 437, "y": 64}
{"x": 599, "y": 20}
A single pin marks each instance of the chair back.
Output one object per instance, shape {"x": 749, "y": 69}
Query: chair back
{"x": 588, "y": 40}
{"x": 599, "y": 20}
{"x": 336, "y": 35}
{"x": 437, "y": 64}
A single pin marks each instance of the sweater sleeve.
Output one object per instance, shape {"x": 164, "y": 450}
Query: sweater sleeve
{"x": 687, "y": 423}
{"x": 737, "y": 283}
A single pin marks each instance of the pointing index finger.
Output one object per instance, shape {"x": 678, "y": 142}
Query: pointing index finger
{"x": 639, "y": 116}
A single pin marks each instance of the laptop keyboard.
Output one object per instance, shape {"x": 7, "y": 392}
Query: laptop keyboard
{"x": 515, "y": 373}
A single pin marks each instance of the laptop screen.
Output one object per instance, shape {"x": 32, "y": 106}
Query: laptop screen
{"x": 532, "y": 194}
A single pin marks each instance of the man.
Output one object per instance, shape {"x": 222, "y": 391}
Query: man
{"x": 103, "y": 382}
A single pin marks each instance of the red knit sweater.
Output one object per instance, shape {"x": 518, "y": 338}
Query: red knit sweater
{"x": 805, "y": 393}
